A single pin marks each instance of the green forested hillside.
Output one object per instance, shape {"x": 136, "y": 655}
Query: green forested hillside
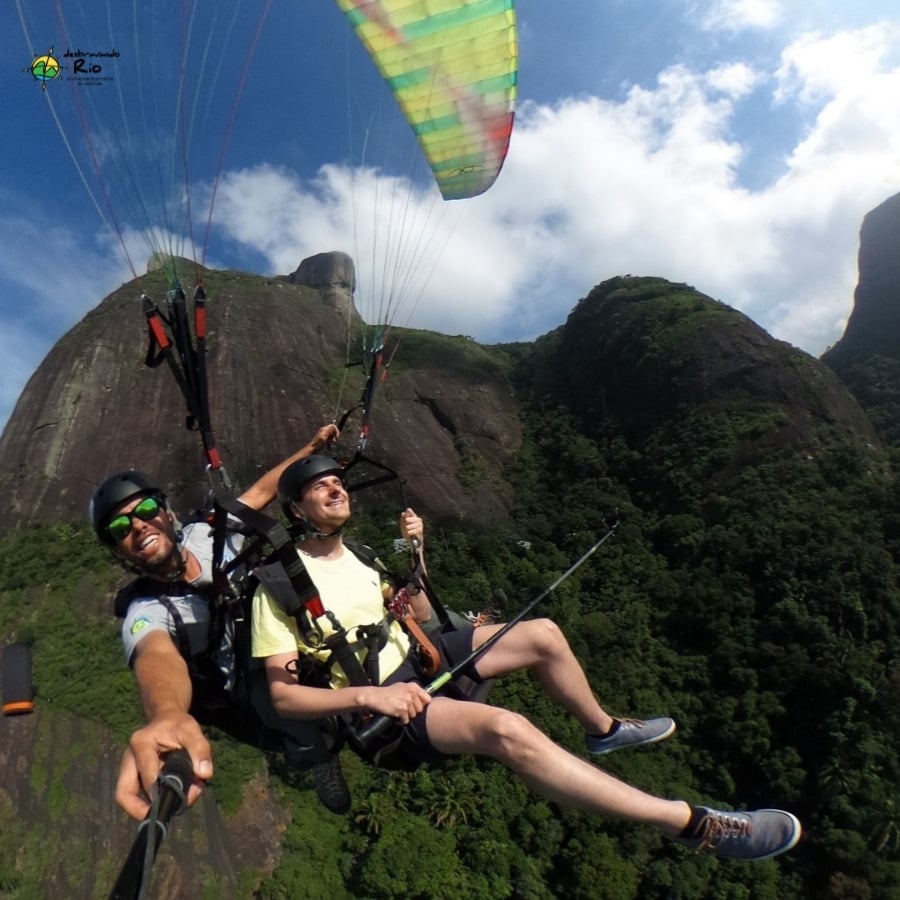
{"x": 767, "y": 632}
{"x": 750, "y": 591}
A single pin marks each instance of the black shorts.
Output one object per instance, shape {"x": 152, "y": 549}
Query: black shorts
{"x": 454, "y": 647}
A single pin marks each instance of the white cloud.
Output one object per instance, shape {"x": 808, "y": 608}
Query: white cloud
{"x": 736, "y": 15}
{"x": 817, "y": 68}
{"x": 735, "y": 80}
{"x": 648, "y": 185}
{"x": 404, "y": 241}
{"x": 642, "y": 170}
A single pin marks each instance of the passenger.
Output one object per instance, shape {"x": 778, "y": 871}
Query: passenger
{"x": 437, "y": 727}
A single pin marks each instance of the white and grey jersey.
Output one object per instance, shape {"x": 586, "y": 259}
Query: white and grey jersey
{"x": 152, "y": 613}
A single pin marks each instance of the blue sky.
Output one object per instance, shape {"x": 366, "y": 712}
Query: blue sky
{"x": 731, "y": 144}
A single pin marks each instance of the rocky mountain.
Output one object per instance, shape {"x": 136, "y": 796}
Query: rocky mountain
{"x": 635, "y": 350}
{"x": 867, "y": 357}
{"x": 874, "y": 325}
{"x": 277, "y": 362}
{"x": 654, "y": 361}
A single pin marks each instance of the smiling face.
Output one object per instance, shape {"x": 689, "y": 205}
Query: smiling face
{"x": 151, "y": 545}
{"x": 325, "y": 503}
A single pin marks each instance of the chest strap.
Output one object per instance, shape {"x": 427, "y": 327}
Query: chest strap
{"x": 305, "y": 610}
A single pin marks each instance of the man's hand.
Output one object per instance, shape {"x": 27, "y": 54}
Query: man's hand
{"x": 403, "y": 701}
{"x": 142, "y": 760}
{"x": 326, "y": 435}
{"x": 412, "y": 526}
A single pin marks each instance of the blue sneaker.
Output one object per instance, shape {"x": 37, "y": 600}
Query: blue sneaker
{"x": 744, "y": 835}
{"x": 631, "y": 733}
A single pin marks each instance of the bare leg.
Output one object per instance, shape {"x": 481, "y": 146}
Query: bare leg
{"x": 461, "y": 727}
{"x": 539, "y": 645}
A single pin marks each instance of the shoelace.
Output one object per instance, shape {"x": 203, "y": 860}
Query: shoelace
{"x": 718, "y": 827}
{"x": 634, "y": 723}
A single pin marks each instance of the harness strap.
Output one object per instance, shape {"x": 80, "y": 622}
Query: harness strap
{"x": 273, "y": 532}
{"x": 186, "y": 353}
{"x": 215, "y": 629}
{"x": 202, "y": 384}
{"x": 181, "y": 635}
{"x": 290, "y": 585}
{"x": 306, "y": 610}
{"x": 343, "y": 653}
{"x": 303, "y": 608}
{"x": 208, "y": 683}
{"x": 293, "y": 589}
{"x": 144, "y": 586}
{"x": 429, "y": 655}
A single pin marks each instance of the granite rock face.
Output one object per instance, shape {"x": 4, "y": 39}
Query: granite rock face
{"x": 277, "y": 364}
{"x": 660, "y": 363}
{"x": 874, "y": 325}
{"x": 867, "y": 357}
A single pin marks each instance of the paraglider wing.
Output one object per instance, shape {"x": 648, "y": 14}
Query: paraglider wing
{"x": 452, "y": 66}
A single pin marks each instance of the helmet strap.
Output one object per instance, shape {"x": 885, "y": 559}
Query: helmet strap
{"x": 308, "y": 530}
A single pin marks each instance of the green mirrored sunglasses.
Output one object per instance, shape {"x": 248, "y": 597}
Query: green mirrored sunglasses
{"x": 120, "y": 527}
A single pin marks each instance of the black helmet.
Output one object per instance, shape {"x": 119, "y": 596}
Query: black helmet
{"x": 299, "y": 474}
{"x": 115, "y": 491}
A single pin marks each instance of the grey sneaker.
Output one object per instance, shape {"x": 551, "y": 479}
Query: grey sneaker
{"x": 631, "y": 733}
{"x": 745, "y": 835}
{"x": 331, "y": 786}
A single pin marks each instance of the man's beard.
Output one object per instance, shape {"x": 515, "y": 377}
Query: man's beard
{"x": 170, "y": 566}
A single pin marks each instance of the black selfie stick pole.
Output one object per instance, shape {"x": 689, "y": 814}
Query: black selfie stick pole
{"x": 174, "y": 780}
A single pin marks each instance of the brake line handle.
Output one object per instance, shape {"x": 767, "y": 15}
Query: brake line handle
{"x": 381, "y": 723}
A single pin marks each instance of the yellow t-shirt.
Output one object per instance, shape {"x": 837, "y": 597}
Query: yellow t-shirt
{"x": 352, "y": 592}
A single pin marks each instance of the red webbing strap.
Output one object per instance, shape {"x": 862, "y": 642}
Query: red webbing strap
{"x": 202, "y": 383}
{"x": 429, "y": 655}
{"x": 159, "y": 348}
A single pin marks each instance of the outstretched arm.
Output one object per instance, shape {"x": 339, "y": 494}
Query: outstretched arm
{"x": 263, "y": 491}
{"x": 403, "y": 701}
{"x": 165, "y": 690}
